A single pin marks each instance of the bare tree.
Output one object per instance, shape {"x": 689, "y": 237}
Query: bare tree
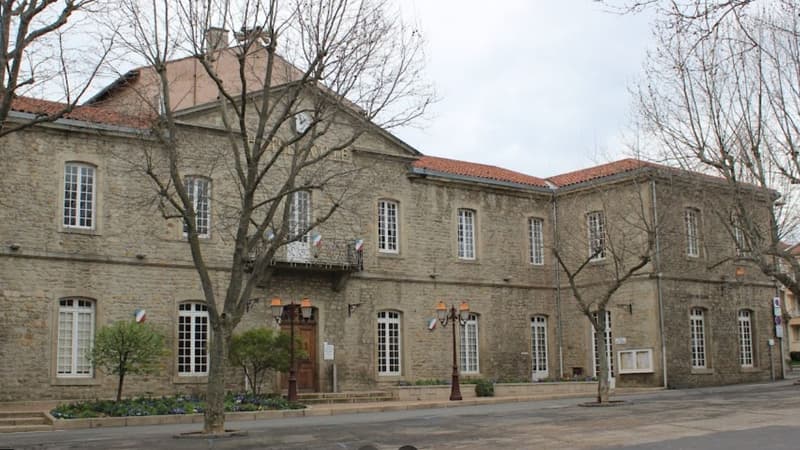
{"x": 304, "y": 82}
{"x": 604, "y": 251}
{"x": 40, "y": 52}
{"x": 721, "y": 96}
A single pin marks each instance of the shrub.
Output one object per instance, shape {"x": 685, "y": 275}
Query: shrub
{"x": 259, "y": 350}
{"x": 484, "y": 388}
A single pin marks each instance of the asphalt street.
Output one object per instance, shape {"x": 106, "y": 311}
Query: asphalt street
{"x": 761, "y": 416}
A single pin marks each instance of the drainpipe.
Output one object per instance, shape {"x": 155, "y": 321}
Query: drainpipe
{"x": 657, "y": 261}
{"x": 558, "y": 293}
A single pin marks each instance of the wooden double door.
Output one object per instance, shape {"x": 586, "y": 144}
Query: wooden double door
{"x": 306, "y": 335}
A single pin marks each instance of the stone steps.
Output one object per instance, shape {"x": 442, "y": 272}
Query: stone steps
{"x": 317, "y": 398}
{"x": 21, "y": 421}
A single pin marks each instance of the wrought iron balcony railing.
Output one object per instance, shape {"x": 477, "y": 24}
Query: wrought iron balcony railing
{"x": 327, "y": 255}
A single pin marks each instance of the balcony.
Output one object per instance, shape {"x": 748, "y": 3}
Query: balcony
{"x": 337, "y": 257}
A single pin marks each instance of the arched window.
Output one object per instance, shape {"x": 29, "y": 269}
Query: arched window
{"x": 192, "y": 339}
{"x": 389, "y": 343}
{"x": 470, "y": 362}
{"x": 75, "y": 337}
{"x": 745, "y": 338}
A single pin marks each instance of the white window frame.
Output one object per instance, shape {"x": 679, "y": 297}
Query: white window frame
{"x": 739, "y": 240}
{"x": 539, "y": 363}
{"x": 596, "y": 224}
{"x": 389, "y": 343}
{"x": 638, "y": 365}
{"x": 466, "y": 233}
{"x": 200, "y": 203}
{"x": 300, "y": 215}
{"x": 745, "y": 327}
{"x": 697, "y": 325}
{"x": 388, "y": 236}
{"x": 193, "y": 315}
{"x": 536, "y": 238}
{"x": 74, "y": 344}
{"x": 609, "y": 347}
{"x": 469, "y": 354}
{"x": 691, "y": 219}
{"x": 80, "y": 194}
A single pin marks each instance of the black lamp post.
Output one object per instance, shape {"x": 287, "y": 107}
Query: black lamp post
{"x": 277, "y": 313}
{"x": 461, "y": 316}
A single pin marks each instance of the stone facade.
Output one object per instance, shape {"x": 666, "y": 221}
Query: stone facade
{"x": 131, "y": 258}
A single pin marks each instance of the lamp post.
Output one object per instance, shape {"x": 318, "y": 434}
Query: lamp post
{"x": 452, "y": 315}
{"x": 277, "y": 313}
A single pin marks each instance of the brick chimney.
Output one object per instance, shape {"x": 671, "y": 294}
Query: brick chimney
{"x": 216, "y": 39}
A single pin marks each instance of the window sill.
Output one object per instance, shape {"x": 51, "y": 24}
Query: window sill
{"x": 702, "y": 371}
{"x": 467, "y": 261}
{"x": 390, "y": 377}
{"x": 190, "y": 379}
{"x": 389, "y": 255}
{"x": 79, "y": 231}
{"x": 749, "y": 369}
{"x": 76, "y": 381}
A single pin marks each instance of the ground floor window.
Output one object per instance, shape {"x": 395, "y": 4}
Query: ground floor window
{"x": 75, "y": 337}
{"x": 745, "y": 339}
{"x": 192, "y": 339}
{"x": 697, "y": 323}
{"x": 539, "y": 347}
{"x": 469, "y": 345}
{"x": 388, "y": 343}
{"x": 609, "y": 347}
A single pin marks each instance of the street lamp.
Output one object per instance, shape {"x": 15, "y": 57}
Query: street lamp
{"x": 277, "y": 313}
{"x": 461, "y": 316}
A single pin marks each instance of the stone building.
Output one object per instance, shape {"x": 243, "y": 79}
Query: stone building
{"x": 83, "y": 246}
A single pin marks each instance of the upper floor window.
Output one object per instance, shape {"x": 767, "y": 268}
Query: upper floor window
{"x": 691, "y": 219}
{"x": 75, "y": 337}
{"x": 697, "y": 323}
{"x": 742, "y": 248}
{"x": 387, "y": 226}
{"x": 536, "y": 240}
{"x": 300, "y": 216}
{"x": 469, "y": 346}
{"x": 192, "y": 339}
{"x": 597, "y": 235}
{"x": 198, "y": 188}
{"x": 745, "y": 339}
{"x": 388, "y": 343}
{"x": 79, "y": 195}
{"x": 466, "y": 234}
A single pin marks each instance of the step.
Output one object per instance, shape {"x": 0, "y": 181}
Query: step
{"x": 331, "y": 395}
{"x": 26, "y": 420}
{"x": 25, "y": 428}
{"x": 372, "y": 399}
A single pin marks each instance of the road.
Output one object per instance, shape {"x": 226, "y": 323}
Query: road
{"x": 761, "y": 416}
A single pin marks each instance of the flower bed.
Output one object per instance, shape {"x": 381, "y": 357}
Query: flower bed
{"x": 150, "y": 406}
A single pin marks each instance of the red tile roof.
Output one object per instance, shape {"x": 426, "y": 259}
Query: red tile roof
{"x": 90, "y": 114}
{"x": 469, "y": 169}
{"x": 601, "y": 171}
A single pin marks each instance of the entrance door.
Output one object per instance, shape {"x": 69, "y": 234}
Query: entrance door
{"x": 306, "y": 334}
{"x": 299, "y": 219}
{"x": 612, "y": 381}
{"x": 539, "y": 348}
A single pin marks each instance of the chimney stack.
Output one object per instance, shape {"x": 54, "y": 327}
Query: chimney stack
{"x": 216, "y": 39}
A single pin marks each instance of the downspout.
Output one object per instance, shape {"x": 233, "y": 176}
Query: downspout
{"x": 657, "y": 261}
{"x": 556, "y": 270}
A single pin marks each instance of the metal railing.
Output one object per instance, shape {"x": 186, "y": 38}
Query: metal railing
{"x": 329, "y": 254}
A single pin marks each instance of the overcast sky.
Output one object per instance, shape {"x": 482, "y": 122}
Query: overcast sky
{"x": 534, "y": 86}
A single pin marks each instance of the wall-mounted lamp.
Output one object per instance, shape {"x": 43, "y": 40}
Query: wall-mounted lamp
{"x": 507, "y": 279}
{"x": 13, "y": 246}
{"x": 352, "y": 307}
{"x": 140, "y": 256}
{"x": 250, "y": 303}
{"x": 628, "y": 306}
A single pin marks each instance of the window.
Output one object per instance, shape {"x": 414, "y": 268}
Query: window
{"x": 539, "y": 347}
{"x": 197, "y": 188}
{"x": 388, "y": 343}
{"x": 387, "y": 226}
{"x": 597, "y": 236}
{"x": 536, "y": 240}
{"x": 75, "y": 337}
{"x": 466, "y": 234}
{"x": 697, "y": 324}
{"x": 742, "y": 248}
{"x": 636, "y": 361}
{"x": 300, "y": 216}
{"x": 79, "y": 188}
{"x": 690, "y": 217}
{"x": 609, "y": 348}
{"x": 469, "y": 345}
{"x": 192, "y": 339}
{"x": 745, "y": 339}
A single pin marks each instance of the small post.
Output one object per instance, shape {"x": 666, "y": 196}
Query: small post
{"x": 770, "y": 344}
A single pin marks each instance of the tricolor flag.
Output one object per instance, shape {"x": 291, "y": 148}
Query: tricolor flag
{"x": 316, "y": 240}
{"x": 269, "y": 235}
{"x": 359, "y": 244}
{"x": 432, "y": 324}
{"x": 140, "y": 315}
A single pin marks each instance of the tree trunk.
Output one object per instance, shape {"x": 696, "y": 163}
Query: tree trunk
{"x": 119, "y": 385}
{"x": 214, "y": 422}
{"x": 602, "y": 357}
